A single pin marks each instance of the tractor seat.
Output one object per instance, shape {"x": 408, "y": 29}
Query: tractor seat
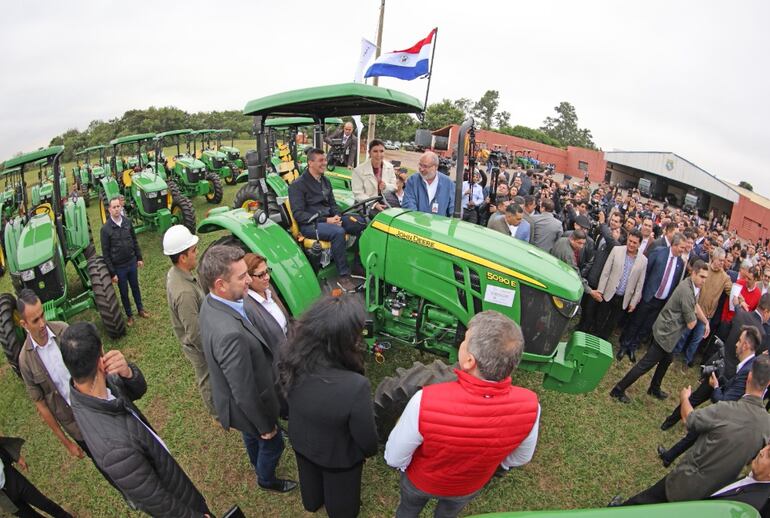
{"x": 288, "y": 171}
{"x": 305, "y": 242}
{"x": 44, "y": 208}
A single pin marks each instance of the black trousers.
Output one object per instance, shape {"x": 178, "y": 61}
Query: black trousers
{"x": 699, "y": 396}
{"x": 588, "y": 309}
{"x": 639, "y": 324}
{"x": 607, "y": 316}
{"x": 338, "y": 489}
{"x": 680, "y": 447}
{"x": 656, "y": 355}
{"x": 25, "y": 496}
{"x": 655, "y": 494}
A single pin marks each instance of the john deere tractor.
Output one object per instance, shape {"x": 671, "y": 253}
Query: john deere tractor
{"x": 185, "y": 173}
{"x": 216, "y": 161}
{"x": 234, "y": 160}
{"x": 40, "y": 242}
{"x": 43, "y": 191}
{"x": 149, "y": 201}
{"x": 87, "y": 175}
{"x": 425, "y": 275}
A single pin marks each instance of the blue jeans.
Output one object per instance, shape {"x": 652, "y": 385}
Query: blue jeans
{"x": 264, "y": 455}
{"x": 128, "y": 275}
{"x": 690, "y": 341}
{"x": 412, "y": 501}
{"x": 352, "y": 224}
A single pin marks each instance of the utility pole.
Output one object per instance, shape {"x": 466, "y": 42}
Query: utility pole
{"x": 377, "y": 51}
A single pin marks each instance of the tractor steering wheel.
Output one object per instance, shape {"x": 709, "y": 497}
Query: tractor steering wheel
{"x": 367, "y": 204}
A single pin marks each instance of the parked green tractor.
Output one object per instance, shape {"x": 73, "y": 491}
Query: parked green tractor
{"x": 184, "y": 173}
{"x": 425, "y": 275}
{"x": 40, "y": 242}
{"x": 86, "y": 175}
{"x": 149, "y": 201}
{"x": 216, "y": 161}
{"x": 43, "y": 191}
{"x": 233, "y": 154}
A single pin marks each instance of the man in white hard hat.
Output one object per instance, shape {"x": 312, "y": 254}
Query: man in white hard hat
{"x": 184, "y": 301}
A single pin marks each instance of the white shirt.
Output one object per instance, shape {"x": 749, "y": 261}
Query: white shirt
{"x": 272, "y": 308}
{"x": 740, "y": 365}
{"x": 110, "y": 397}
{"x": 667, "y": 289}
{"x": 513, "y": 229}
{"x": 432, "y": 188}
{"x": 53, "y": 362}
{"x": 118, "y": 221}
{"x": 477, "y": 194}
{"x": 2, "y": 474}
{"x": 406, "y": 438}
{"x": 745, "y": 481}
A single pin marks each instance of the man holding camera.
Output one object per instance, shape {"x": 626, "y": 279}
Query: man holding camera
{"x": 349, "y": 145}
{"x": 716, "y": 386}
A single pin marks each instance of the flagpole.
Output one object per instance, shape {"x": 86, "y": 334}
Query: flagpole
{"x": 430, "y": 70}
{"x": 372, "y": 118}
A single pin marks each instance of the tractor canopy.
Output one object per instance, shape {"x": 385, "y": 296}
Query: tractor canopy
{"x": 90, "y": 149}
{"x": 334, "y": 101}
{"x": 9, "y": 171}
{"x": 36, "y": 244}
{"x": 487, "y": 248}
{"x": 128, "y": 139}
{"x": 148, "y": 181}
{"x": 173, "y": 133}
{"x": 34, "y": 156}
{"x": 288, "y": 122}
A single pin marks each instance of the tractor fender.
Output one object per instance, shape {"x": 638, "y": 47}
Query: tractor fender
{"x": 77, "y": 224}
{"x": 11, "y": 236}
{"x": 291, "y": 275}
{"x": 280, "y": 188}
{"x": 110, "y": 187}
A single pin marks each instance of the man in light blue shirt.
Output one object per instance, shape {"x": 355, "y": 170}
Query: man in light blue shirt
{"x": 429, "y": 191}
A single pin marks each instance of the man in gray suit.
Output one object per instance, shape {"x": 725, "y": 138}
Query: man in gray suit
{"x": 511, "y": 222}
{"x": 546, "y": 229}
{"x": 730, "y": 435}
{"x": 239, "y": 351}
{"x": 567, "y": 249}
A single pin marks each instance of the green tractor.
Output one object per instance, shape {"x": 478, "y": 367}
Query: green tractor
{"x": 149, "y": 201}
{"x": 234, "y": 160}
{"x": 86, "y": 175}
{"x": 425, "y": 275}
{"x": 43, "y": 191}
{"x": 186, "y": 174}
{"x": 216, "y": 161}
{"x": 40, "y": 242}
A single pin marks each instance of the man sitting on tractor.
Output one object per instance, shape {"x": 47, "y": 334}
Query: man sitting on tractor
{"x": 311, "y": 195}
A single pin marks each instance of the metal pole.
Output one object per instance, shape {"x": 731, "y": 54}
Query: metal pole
{"x": 466, "y": 126}
{"x": 375, "y": 82}
{"x": 430, "y": 70}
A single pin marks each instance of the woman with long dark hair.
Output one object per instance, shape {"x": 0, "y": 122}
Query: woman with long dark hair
{"x": 331, "y": 417}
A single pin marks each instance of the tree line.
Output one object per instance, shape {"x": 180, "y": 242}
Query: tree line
{"x": 561, "y": 130}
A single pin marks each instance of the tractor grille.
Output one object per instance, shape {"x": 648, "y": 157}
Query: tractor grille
{"x": 232, "y": 155}
{"x": 152, "y": 205}
{"x": 541, "y": 323}
{"x": 49, "y": 286}
{"x": 217, "y": 163}
{"x": 195, "y": 175}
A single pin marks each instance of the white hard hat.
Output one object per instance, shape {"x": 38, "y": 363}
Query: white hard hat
{"x": 177, "y": 239}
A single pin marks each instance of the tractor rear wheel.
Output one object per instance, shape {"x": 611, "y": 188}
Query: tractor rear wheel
{"x": 215, "y": 194}
{"x": 8, "y": 335}
{"x": 173, "y": 188}
{"x": 90, "y": 250}
{"x": 103, "y": 204}
{"x": 248, "y": 194}
{"x": 105, "y": 298}
{"x": 183, "y": 211}
{"x": 394, "y": 392}
{"x": 83, "y": 193}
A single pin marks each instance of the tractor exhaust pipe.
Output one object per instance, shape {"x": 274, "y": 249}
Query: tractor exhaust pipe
{"x": 466, "y": 126}
{"x": 57, "y": 201}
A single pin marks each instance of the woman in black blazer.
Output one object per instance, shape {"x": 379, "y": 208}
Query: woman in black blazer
{"x": 331, "y": 417}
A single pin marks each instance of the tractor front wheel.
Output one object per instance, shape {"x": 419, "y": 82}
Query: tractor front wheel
{"x": 8, "y": 332}
{"x": 183, "y": 211}
{"x": 105, "y": 298}
{"x": 248, "y": 194}
{"x": 394, "y": 392}
{"x": 172, "y": 188}
{"x": 215, "y": 194}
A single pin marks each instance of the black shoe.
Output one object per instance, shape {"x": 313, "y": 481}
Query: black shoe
{"x": 690, "y": 364}
{"x": 662, "y": 455}
{"x": 668, "y": 423}
{"x": 280, "y": 485}
{"x": 616, "y": 501}
{"x": 619, "y": 395}
{"x": 657, "y": 394}
{"x": 619, "y": 355}
{"x": 632, "y": 356}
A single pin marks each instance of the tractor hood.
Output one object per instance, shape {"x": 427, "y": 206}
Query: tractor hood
{"x": 229, "y": 149}
{"x": 37, "y": 242}
{"x": 148, "y": 181}
{"x": 190, "y": 162}
{"x": 487, "y": 248}
{"x": 214, "y": 154}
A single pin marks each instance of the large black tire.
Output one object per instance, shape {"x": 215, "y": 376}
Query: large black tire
{"x": 8, "y": 336}
{"x": 90, "y": 250}
{"x": 233, "y": 178}
{"x": 248, "y": 193}
{"x": 394, "y": 392}
{"x": 105, "y": 298}
{"x": 215, "y": 194}
{"x": 173, "y": 188}
{"x": 184, "y": 212}
{"x": 103, "y": 206}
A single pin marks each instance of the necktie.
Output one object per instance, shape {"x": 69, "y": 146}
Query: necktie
{"x": 662, "y": 288}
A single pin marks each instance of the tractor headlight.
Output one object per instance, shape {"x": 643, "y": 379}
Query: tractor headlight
{"x": 163, "y": 192}
{"x": 152, "y": 194}
{"x": 46, "y": 267}
{"x": 27, "y": 275}
{"x": 565, "y": 307}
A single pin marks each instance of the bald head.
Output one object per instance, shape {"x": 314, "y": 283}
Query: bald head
{"x": 348, "y": 128}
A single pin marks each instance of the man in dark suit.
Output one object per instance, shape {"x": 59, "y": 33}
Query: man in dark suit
{"x": 239, "y": 354}
{"x": 730, "y": 433}
{"x": 742, "y": 318}
{"x": 663, "y": 241}
{"x": 731, "y": 389}
{"x": 754, "y": 488}
{"x": 664, "y": 270}
{"x": 349, "y": 144}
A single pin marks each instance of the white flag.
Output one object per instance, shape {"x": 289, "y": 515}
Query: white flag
{"x": 367, "y": 53}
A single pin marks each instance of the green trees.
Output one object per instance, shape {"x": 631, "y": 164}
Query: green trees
{"x": 564, "y": 127}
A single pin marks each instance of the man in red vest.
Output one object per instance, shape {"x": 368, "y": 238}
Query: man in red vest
{"x": 452, "y": 436}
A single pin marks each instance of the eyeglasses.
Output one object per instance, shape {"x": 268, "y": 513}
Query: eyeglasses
{"x": 263, "y": 274}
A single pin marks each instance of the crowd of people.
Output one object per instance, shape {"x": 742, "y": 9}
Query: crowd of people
{"x": 684, "y": 284}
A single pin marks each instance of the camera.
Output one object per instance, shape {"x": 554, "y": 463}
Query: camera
{"x": 336, "y": 155}
{"x": 716, "y": 363}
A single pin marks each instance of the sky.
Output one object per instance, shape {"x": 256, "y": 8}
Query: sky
{"x": 690, "y": 77}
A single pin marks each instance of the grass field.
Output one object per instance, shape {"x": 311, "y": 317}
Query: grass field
{"x": 590, "y": 447}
